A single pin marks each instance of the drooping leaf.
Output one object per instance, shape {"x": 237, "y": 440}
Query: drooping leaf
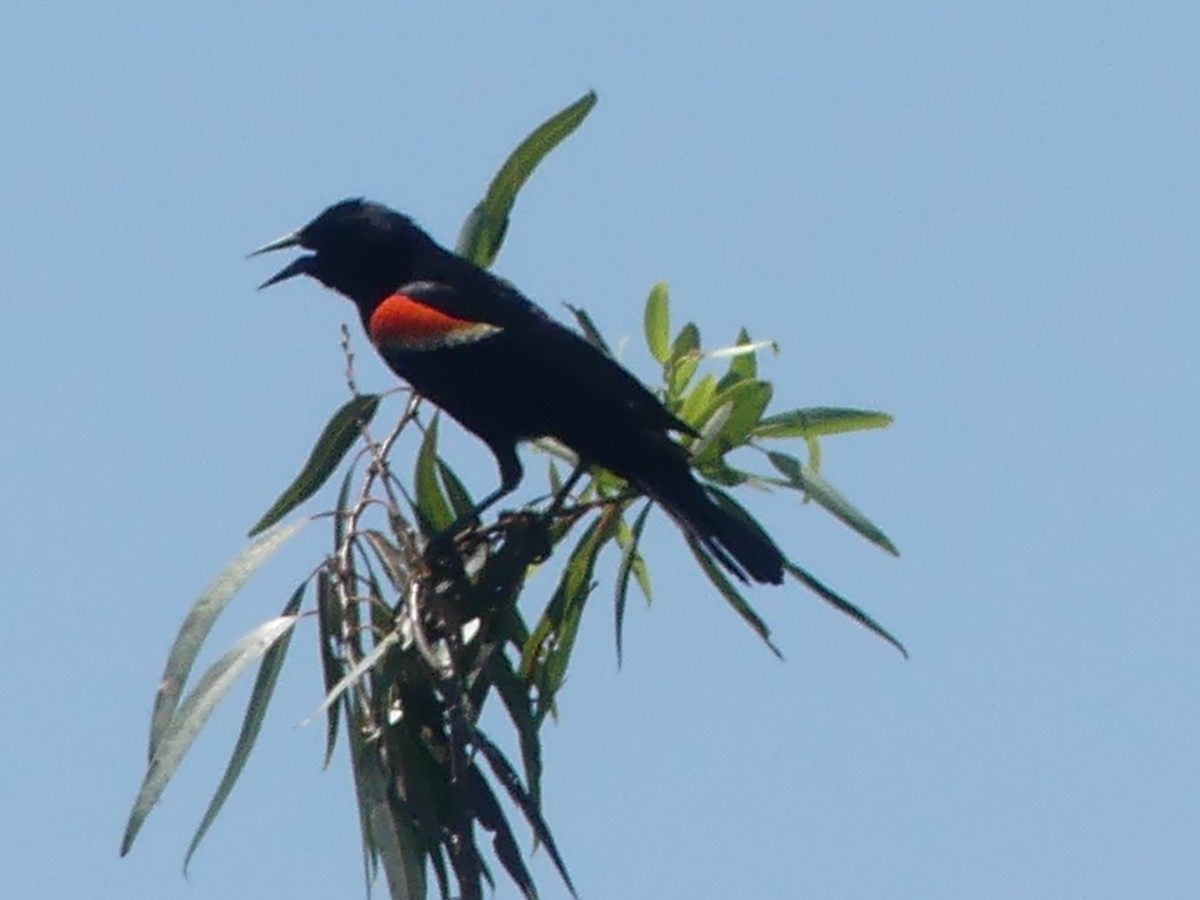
{"x": 629, "y": 563}
{"x": 329, "y": 624}
{"x": 841, "y": 604}
{"x": 483, "y": 232}
{"x": 548, "y": 649}
{"x": 356, "y": 672}
{"x": 657, "y": 323}
{"x": 490, "y": 815}
{"x": 514, "y": 694}
{"x": 193, "y": 712}
{"x": 508, "y": 779}
{"x": 199, "y": 621}
{"x": 819, "y": 420}
{"x": 331, "y": 447}
{"x": 731, "y": 594}
{"x": 256, "y": 711}
{"x": 391, "y": 838}
{"x": 805, "y": 479}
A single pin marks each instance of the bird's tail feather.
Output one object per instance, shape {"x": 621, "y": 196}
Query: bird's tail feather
{"x": 734, "y": 540}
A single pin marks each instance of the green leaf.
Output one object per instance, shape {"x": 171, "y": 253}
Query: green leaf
{"x": 483, "y": 232}
{"x": 553, "y": 639}
{"x": 748, "y": 407}
{"x": 684, "y": 359}
{"x": 515, "y": 696}
{"x": 658, "y": 323}
{"x": 723, "y": 431}
{"x": 818, "y": 420}
{"x": 433, "y": 509}
{"x": 805, "y": 479}
{"x": 395, "y": 566}
{"x": 698, "y": 401}
{"x": 488, "y": 813}
{"x": 460, "y": 497}
{"x": 386, "y": 837}
{"x": 256, "y": 711}
{"x": 331, "y": 667}
{"x": 731, "y": 594}
{"x": 841, "y": 604}
{"x": 193, "y": 712}
{"x": 333, "y": 444}
{"x": 199, "y": 621}
{"x": 589, "y": 329}
{"x": 629, "y": 560}
{"x": 356, "y": 672}
{"x": 508, "y": 779}
{"x": 342, "y": 510}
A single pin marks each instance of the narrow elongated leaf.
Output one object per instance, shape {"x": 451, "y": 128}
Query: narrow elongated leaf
{"x": 514, "y": 694}
{"x": 483, "y": 232}
{"x": 193, "y": 712}
{"x": 256, "y": 711}
{"x": 508, "y": 779}
{"x": 841, "y": 604}
{"x": 335, "y": 441}
{"x": 199, "y": 621}
{"x": 491, "y": 817}
{"x": 433, "y": 508}
{"x": 805, "y": 479}
{"x": 629, "y": 558}
{"x": 342, "y": 510}
{"x": 460, "y": 497}
{"x": 658, "y": 323}
{"x": 553, "y": 640}
{"x": 391, "y": 838}
{"x": 331, "y": 669}
{"x": 357, "y": 671}
{"x": 399, "y": 849}
{"x": 731, "y": 594}
{"x": 390, "y": 557}
{"x": 819, "y": 420}
{"x": 366, "y": 792}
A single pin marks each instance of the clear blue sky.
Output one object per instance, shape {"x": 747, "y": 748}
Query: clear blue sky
{"x": 982, "y": 218}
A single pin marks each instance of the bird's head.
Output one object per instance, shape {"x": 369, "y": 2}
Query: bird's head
{"x": 360, "y": 249}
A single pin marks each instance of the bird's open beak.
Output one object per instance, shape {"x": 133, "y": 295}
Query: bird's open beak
{"x": 288, "y": 240}
{"x": 300, "y": 266}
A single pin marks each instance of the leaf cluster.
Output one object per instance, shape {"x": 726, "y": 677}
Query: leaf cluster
{"x": 416, "y": 601}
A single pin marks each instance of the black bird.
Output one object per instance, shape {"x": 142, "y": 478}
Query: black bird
{"x": 475, "y": 346}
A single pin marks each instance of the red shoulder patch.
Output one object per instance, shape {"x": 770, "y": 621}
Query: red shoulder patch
{"x": 406, "y": 323}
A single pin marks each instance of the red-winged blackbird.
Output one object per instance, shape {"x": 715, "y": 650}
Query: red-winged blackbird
{"x": 473, "y": 345}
